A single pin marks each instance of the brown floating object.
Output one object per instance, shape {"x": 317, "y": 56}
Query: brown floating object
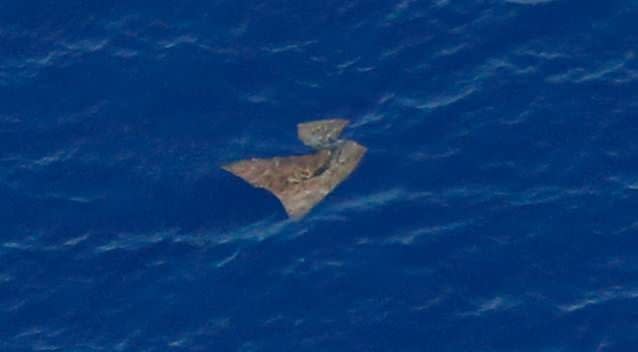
{"x": 301, "y": 182}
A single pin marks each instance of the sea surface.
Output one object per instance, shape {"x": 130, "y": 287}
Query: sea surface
{"x": 496, "y": 209}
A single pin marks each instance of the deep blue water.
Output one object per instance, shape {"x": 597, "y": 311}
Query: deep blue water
{"x": 496, "y": 209}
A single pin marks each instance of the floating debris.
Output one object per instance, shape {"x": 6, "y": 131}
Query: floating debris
{"x": 301, "y": 182}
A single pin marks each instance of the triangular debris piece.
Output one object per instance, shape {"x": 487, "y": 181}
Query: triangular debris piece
{"x": 300, "y": 182}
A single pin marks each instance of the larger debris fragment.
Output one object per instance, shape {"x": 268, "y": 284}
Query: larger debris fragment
{"x": 301, "y": 182}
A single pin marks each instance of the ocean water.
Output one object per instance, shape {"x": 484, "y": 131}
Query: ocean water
{"x": 496, "y": 209}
